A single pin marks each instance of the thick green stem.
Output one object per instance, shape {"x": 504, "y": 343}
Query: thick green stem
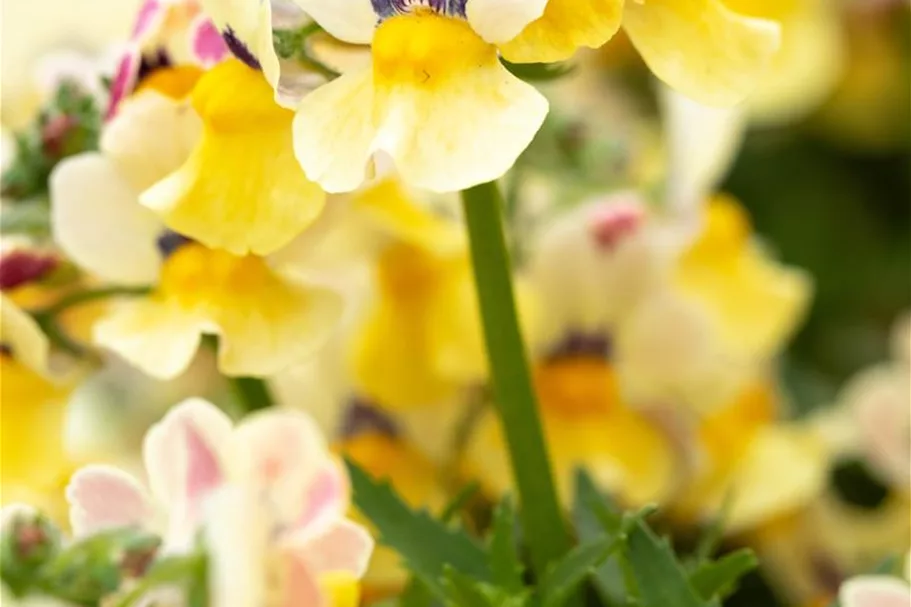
{"x": 545, "y": 532}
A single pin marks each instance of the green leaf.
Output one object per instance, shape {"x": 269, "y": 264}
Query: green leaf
{"x": 426, "y": 545}
{"x": 463, "y": 591}
{"x": 539, "y": 72}
{"x": 660, "y": 580}
{"x": 712, "y": 536}
{"x": 505, "y": 565}
{"x": 595, "y": 516}
{"x": 567, "y": 574}
{"x": 720, "y": 577}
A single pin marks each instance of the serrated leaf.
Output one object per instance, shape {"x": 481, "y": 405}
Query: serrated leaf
{"x": 660, "y": 580}
{"x": 426, "y": 545}
{"x": 565, "y": 576}
{"x": 416, "y": 594}
{"x": 463, "y": 591}
{"x": 539, "y": 72}
{"x": 720, "y": 577}
{"x": 595, "y": 516}
{"x": 505, "y": 565}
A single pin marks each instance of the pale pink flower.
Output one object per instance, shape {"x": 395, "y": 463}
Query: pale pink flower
{"x": 875, "y": 591}
{"x": 271, "y": 475}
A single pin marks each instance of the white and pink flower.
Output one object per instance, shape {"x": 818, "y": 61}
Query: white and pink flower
{"x": 266, "y": 493}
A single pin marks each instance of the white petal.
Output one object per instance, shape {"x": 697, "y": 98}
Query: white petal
{"x": 343, "y": 546}
{"x": 333, "y": 132}
{"x": 158, "y": 338}
{"x": 99, "y": 223}
{"x": 874, "y": 591}
{"x": 103, "y": 497}
{"x": 502, "y": 20}
{"x": 703, "y": 142}
{"x": 283, "y": 451}
{"x": 150, "y": 137}
{"x": 349, "y": 20}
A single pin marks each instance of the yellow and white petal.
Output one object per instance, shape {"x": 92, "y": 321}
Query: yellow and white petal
{"x": 784, "y": 469}
{"x": 281, "y": 325}
{"x": 502, "y": 20}
{"x": 250, "y": 25}
{"x": 702, "y": 48}
{"x": 156, "y": 336}
{"x": 334, "y": 132}
{"x": 565, "y": 26}
{"x": 98, "y": 221}
{"x": 150, "y": 136}
{"x": 241, "y": 189}
{"x": 21, "y": 334}
{"x": 809, "y": 64}
{"x": 448, "y": 76}
{"x": 349, "y": 20}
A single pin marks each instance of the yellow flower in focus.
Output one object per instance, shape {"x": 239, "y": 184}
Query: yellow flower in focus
{"x": 340, "y": 589}
{"x": 754, "y": 302}
{"x": 414, "y": 478}
{"x": 587, "y": 424}
{"x": 421, "y": 340}
{"x": 241, "y": 189}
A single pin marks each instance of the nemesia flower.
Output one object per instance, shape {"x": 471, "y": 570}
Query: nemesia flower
{"x": 435, "y": 64}
{"x": 266, "y": 319}
{"x": 272, "y": 470}
{"x": 875, "y": 591}
{"x": 166, "y": 33}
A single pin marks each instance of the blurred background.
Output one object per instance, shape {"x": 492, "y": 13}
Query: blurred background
{"x": 821, "y": 163}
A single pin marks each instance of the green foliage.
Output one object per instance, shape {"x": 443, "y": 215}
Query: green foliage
{"x": 539, "y": 72}
{"x": 70, "y": 124}
{"x": 717, "y": 579}
{"x": 29, "y": 541}
{"x": 567, "y": 574}
{"x": 426, "y": 545}
{"x": 503, "y": 555}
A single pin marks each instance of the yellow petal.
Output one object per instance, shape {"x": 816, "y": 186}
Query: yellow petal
{"x": 266, "y": 322}
{"x": 429, "y": 73}
{"x": 410, "y": 351}
{"x": 565, "y": 26}
{"x": 390, "y": 207}
{"x": 701, "y": 48}
{"x": 586, "y": 424}
{"x": 156, "y": 336}
{"x": 32, "y": 414}
{"x": 241, "y": 189}
{"x": 755, "y": 302}
{"x": 340, "y": 589}
{"x": 21, "y": 334}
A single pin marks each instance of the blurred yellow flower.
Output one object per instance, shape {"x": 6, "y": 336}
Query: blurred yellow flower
{"x": 420, "y": 341}
{"x": 587, "y": 424}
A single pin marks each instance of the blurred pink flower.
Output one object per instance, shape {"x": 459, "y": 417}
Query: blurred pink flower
{"x": 875, "y": 591}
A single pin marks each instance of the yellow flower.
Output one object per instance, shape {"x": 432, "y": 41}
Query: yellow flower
{"x": 265, "y": 320}
{"x": 414, "y": 478}
{"x": 587, "y": 424}
{"x": 420, "y": 342}
{"x": 241, "y": 189}
{"x": 809, "y": 63}
{"x": 755, "y": 302}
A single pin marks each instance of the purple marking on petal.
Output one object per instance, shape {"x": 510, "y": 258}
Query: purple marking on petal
{"x": 389, "y": 8}
{"x": 580, "y": 344}
{"x": 362, "y": 417}
{"x": 21, "y": 267}
{"x": 208, "y": 46}
{"x": 169, "y": 241}
{"x": 124, "y": 80}
{"x": 240, "y": 50}
{"x": 150, "y": 12}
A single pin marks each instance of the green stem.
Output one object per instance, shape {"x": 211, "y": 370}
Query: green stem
{"x": 545, "y": 532}
{"x": 252, "y": 393}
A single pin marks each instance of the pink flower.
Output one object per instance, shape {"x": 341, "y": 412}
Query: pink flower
{"x": 267, "y": 493}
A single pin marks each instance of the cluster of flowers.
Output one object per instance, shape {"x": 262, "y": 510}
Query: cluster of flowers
{"x": 275, "y": 174}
